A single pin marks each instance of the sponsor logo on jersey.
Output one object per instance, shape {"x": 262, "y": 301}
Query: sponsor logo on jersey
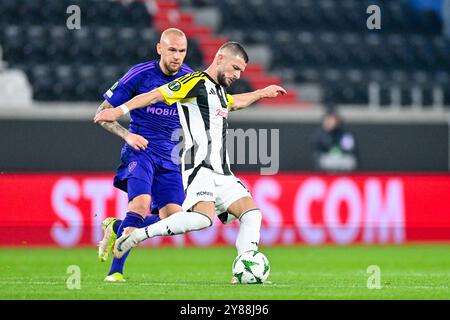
{"x": 162, "y": 111}
{"x": 222, "y": 113}
{"x": 205, "y": 193}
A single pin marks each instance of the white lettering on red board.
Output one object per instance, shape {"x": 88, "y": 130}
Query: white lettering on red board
{"x": 98, "y": 191}
{"x": 64, "y": 193}
{"x": 378, "y": 216}
{"x": 374, "y": 212}
{"x": 266, "y": 191}
{"x": 343, "y": 190}
{"x": 385, "y": 218}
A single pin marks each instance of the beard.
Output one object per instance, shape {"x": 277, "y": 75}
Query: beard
{"x": 172, "y": 69}
{"x": 222, "y": 80}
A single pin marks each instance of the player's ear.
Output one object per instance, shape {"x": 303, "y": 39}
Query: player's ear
{"x": 159, "y": 48}
{"x": 220, "y": 58}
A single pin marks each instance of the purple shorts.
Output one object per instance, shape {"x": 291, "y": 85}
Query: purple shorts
{"x": 143, "y": 172}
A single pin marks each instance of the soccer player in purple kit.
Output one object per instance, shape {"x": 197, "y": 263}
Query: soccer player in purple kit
{"x": 147, "y": 172}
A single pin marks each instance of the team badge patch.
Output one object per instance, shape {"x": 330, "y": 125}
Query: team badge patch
{"x": 174, "y": 86}
{"x": 131, "y": 166}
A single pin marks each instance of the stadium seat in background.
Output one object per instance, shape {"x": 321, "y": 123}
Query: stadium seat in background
{"x": 169, "y": 13}
{"x": 311, "y": 36}
{"x": 321, "y": 42}
{"x": 78, "y": 65}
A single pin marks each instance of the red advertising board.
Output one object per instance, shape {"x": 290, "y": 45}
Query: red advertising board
{"x": 66, "y": 210}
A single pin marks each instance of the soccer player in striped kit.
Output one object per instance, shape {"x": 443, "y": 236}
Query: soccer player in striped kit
{"x": 210, "y": 186}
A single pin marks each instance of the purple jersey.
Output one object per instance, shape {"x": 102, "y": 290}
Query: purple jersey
{"x": 157, "y": 122}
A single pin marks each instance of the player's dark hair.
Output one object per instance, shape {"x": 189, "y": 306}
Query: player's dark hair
{"x": 236, "y": 48}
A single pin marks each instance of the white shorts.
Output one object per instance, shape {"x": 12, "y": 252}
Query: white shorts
{"x": 208, "y": 185}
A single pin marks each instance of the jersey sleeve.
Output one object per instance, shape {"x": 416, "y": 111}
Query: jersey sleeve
{"x": 183, "y": 88}
{"x": 230, "y": 100}
{"x": 124, "y": 89}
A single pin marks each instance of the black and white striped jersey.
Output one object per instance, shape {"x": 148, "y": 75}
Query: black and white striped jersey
{"x": 203, "y": 110}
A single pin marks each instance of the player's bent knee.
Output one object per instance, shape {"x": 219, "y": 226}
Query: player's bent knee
{"x": 140, "y": 205}
{"x": 241, "y": 206}
{"x": 206, "y": 208}
{"x": 141, "y": 210}
{"x": 169, "y": 209}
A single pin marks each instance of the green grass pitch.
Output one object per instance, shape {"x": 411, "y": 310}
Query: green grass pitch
{"x": 300, "y": 272}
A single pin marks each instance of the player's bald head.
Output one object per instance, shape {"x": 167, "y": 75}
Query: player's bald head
{"x": 168, "y": 34}
{"x": 233, "y": 48}
{"x": 172, "y": 48}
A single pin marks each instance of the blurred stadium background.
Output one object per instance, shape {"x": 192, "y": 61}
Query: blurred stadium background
{"x": 391, "y": 86}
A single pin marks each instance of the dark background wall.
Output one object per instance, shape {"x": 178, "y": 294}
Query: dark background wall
{"x": 382, "y": 147}
{"x": 83, "y": 146}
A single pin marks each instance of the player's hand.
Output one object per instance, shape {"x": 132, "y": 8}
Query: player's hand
{"x": 272, "y": 91}
{"x": 136, "y": 141}
{"x": 110, "y": 114}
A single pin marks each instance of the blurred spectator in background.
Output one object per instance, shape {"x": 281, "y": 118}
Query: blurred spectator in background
{"x": 334, "y": 146}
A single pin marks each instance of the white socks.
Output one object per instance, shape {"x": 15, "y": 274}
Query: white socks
{"x": 177, "y": 223}
{"x": 182, "y": 222}
{"x": 248, "y": 236}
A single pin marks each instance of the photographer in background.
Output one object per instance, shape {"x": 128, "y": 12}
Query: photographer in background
{"x": 334, "y": 146}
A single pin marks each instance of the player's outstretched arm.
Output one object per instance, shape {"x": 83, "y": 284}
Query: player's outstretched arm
{"x": 243, "y": 100}
{"x": 134, "y": 140}
{"x": 113, "y": 127}
{"x": 139, "y": 101}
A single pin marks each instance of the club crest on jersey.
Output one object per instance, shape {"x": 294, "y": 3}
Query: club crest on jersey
{"x": 174, "y": 86}
{"x": 222, "y": 113}
{"x": 131, "y": 166}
